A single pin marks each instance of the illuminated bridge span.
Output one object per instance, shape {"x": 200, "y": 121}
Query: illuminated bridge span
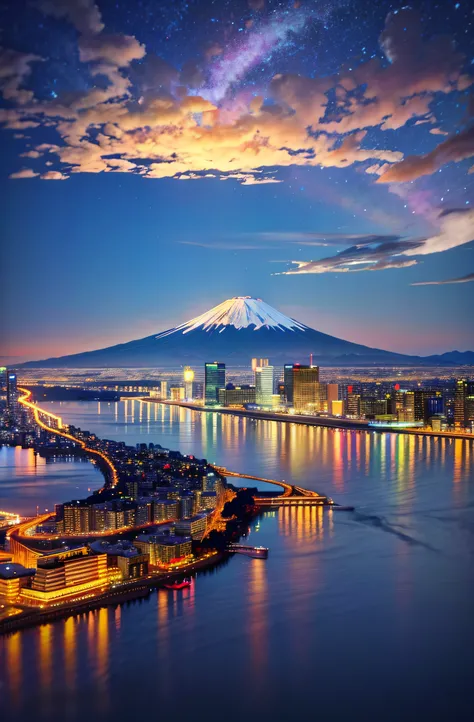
{"x": 54, "y": 424}
{"x": 292, "y": 495}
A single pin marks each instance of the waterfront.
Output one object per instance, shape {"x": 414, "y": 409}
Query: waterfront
{"x": 351, "y": 612}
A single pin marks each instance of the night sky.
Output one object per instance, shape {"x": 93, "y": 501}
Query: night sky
{"x": 327, "y": 149}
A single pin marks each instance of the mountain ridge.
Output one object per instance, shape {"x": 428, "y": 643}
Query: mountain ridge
{"x": 235, "y": 331}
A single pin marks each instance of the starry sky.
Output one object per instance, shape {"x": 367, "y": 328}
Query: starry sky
{"x": 327, "y": 149}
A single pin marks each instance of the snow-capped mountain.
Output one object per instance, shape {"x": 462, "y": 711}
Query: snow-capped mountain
{"x": 239, "y": 312}
{"x": 234, "y": 332}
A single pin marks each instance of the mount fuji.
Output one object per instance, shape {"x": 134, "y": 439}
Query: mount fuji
{"x": 233, "y": 332}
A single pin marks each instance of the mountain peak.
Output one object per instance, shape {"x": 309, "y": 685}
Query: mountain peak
{"x": 239, "y": 312}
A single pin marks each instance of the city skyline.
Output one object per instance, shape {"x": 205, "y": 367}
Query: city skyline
{"x": 117, "y": 249}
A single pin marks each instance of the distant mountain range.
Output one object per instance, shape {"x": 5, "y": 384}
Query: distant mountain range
{"x": 234, "y": 332}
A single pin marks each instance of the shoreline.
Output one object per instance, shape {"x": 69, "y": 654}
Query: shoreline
{"x": 129, "y": 591}
{"x": 329, "y": 423}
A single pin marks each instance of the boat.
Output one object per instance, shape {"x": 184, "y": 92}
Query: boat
{"x": 181, "y": 584}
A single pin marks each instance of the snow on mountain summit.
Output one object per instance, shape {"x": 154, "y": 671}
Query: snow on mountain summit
{"x": 239, "y": 312}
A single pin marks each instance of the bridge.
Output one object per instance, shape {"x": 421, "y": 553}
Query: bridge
{"x": 292, "y": 495}
{"x": 54, "y": 424}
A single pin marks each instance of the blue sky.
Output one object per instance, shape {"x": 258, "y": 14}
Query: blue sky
{"x": 98, "y": 253}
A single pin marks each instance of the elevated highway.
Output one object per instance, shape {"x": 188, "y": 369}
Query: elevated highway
{"x": 291, "y": 496}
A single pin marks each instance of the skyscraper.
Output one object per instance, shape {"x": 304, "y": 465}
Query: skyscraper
{"x": 259, "y": 363}
{"x": 188, "y": 382}
{"x": 264, "y": 385}
{"x": 214, "y": 379}
{"x": 12, "y": 391}
{"x": 288, "y": 382}
{"x": 305, "y": 387}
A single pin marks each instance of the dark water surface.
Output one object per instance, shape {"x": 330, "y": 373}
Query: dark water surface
{"x": 365, "y": 615}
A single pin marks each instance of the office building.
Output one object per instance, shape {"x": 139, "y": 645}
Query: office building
{"x": 305, "y": 387}
{"x": 165, "y": 509}
{"x": 188, "y": 376}
{"x": 162, "y": 549}
{"x": 177, "y": 393}
{"x": 464, "y": 390}
{"x": 13, "y": 577}
{"x": 353, "y": 404}
{"x": 214, "y": 379}
{"x": 193, "y": 527}
{"x": 123, "y": 556}
{"x": 144, "y": 513}
{"x": 66, "y": 574}
{"x": 332, "y": 394}
{"x": 186, "y": 506}
{"x": 208, "y": 500}
{"x": 12, "y": 390}
{"x": 236, "y": 395}
{"x": 264, "y": 385}
{"x": 288, "y": 382}
{"x": 337, "y": 408}
{"x": 259, "y": 363}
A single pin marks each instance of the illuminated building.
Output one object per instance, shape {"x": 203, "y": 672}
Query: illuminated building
{"x": 161, "y": 549}
{"x": 214, "y": 379}
{"x": 186, "y": 506}
{"x": 370, "y": 407}
{"x": 237, "y": 395}
{"x": 464, "y": 391}
{"x": 177, "y": 393}
{"x": 3, "y": 383}
{"x": 144, "y": 512}
{"x": 264, "y": 385}
{"x": 197, "y": 493}
{"x": 76, "y": 517}
{"x": 13, "y": 577}
{"x": 164, "y": 509}
{"x": 337, "y": 408}
{"x": 12, "y": 391}
{"x": 332, "y": 394}
{"x": 188, "y": 382}
{"x": 194, "y": 527}
{"x": 305, "y": 387}
{"x": 208, "y": 500}
{"x": 66, "y": 574}
{"x": 209, "y": 482}
{"x": 124, "y": 556}
{"x": 132, "y": 488}
{"x": 259, "y": 363}
{"x": 353, "y": 404}
{"x": 288, "y": 382}
{"x": 403, "y": 405}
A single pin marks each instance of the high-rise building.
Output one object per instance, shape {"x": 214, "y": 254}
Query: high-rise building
{"x": 188, "y": 383}
{"x": 288, "y": 382}
{"x": 461, "y": 392}
{"x": 178, "y": 393}
{"x": 259, "y": 363}
{"x": 214, "y": 379}
{"x": 12, "y": 391}
{"x": 353, "y": 404}
{"x": 332, "y": 394}
{"x": 264, "y": 385}
{"x": 164, "y": 389}
{"x": 305, "y": 387}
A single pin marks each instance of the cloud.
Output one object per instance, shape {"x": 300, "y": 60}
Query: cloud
{"x": 150, "y": 119}
{"x": 455, "y": 148}
{"x": 24, "y": 173}
{"x": 54, "y": 175}
{"x": 462, "y": 279}
{"x": 377, "y": 256}
{"x": 118, "y": 50}
{"x": 456, "y": 228}
{"x": 14, "y": 70}
{"x": 83, "y": 14}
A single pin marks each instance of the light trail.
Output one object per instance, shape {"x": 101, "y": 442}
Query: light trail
{"x": 25, "y": 401}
